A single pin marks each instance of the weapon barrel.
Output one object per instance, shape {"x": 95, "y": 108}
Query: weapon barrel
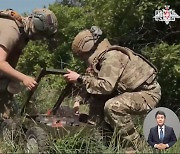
{"x": 42, "y": 73}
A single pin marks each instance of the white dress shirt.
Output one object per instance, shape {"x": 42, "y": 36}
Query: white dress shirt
{"x": 163, "y": 129}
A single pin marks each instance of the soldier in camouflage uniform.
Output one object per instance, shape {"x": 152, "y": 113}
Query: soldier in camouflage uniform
{"x": 15, "y": 32}
{"x": 124, "y": 80}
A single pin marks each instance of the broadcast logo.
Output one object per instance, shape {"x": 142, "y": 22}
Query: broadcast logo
{"x": 166, "y": 15}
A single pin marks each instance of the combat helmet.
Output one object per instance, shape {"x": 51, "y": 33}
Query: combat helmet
{"x": 44, "y": 21}
{"x": 86, "y": 40}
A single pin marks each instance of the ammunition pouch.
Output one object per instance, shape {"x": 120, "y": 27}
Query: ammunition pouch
{"x": 12, "y": 15}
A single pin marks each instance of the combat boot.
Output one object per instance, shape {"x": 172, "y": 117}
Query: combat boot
{"x": 130, "y": 150}
{"x": 135, "y": 146}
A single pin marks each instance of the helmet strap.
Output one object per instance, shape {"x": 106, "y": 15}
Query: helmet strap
{"x": 29, "y": 27}
{"x": 101, "y": 38}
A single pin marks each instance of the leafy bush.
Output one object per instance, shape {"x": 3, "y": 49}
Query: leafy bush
{"x": 167, "y": 59}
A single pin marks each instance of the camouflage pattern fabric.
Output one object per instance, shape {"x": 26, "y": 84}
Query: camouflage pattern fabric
{"x": 116, "y": 70}
{"x": 45, "y": 21}
{"x": 118, "y": 111}
{"x": 123, "y": 102}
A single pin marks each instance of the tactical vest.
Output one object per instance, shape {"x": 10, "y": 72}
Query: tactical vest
{"x": 137, "y": 70}
{"x": 12, "y": 15}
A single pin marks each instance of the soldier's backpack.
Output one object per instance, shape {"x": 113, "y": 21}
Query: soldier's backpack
{"x": 12, "y": 15}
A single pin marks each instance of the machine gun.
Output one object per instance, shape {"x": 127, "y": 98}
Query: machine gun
{"x": 40, "y": 75}
{"x": 39, "y": 128}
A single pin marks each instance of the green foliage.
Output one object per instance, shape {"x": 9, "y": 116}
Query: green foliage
{"x": 131, "y": 22}
{"x": 35, "y": 55}
{"x": 128, "y": 23}
{"x": 83, "y": 144}
{"x": 79, "y": 144}
{"x": 71, "y": 21}
{"x": 125, "y": 22}
{"x": 167, "y": 59}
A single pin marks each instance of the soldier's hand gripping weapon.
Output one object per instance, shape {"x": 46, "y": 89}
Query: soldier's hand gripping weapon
{"x": 64, "y": 92}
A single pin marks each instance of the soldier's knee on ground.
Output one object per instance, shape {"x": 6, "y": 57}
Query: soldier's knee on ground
{"x": 136, "y": 144}
{"x": 120, "y": 120}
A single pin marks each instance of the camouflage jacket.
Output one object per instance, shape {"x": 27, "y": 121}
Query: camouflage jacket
{"x": 116, "y": 68}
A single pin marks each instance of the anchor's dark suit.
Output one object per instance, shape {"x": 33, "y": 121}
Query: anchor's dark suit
{"x": 169, "y": 137}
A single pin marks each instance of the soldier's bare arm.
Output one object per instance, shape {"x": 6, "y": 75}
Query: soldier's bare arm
{"x": 29, "y": 82}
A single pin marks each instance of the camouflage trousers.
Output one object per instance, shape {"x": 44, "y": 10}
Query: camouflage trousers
{"x": 118, "y": 112}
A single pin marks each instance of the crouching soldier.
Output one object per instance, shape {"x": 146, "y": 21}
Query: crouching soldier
{"x": 120, "y": 83}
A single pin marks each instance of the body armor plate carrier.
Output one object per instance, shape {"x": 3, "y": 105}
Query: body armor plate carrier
{"x": 137, "y": 70}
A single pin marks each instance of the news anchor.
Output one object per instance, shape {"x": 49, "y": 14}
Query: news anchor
{"x": 161, "y": 136}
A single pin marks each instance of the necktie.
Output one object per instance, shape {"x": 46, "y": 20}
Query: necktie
{"x": 161, "y": 134}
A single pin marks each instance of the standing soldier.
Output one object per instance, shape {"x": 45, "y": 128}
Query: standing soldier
{"x": 15, "y": 32}
{"x": 125, "y": 80}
